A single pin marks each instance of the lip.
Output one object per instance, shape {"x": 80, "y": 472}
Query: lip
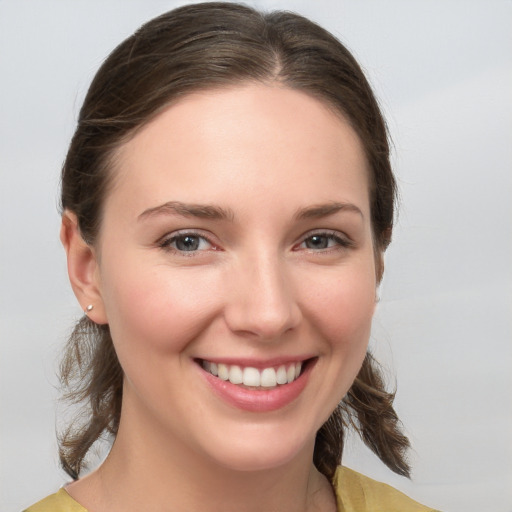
{"x": 259, "y": 400}
{"x": 258, "y": 363}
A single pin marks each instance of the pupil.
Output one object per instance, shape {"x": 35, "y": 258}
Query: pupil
{"x": 317, "y": 242}
{"x": 187, "y": 243}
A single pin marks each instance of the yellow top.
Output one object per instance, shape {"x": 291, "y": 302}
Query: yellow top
{"x": 358, "y": 493}
{"x": 61, "y": 501}
{"x": 354, "y": 493}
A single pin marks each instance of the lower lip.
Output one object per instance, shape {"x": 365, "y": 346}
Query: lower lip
{"x": 259, "y": 400}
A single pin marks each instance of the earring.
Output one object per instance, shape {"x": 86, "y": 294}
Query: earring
{"x": 90, "y": 307}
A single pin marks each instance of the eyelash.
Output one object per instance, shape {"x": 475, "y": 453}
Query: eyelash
{"x": 331, "y": 236}
{"x": 166, "y": 242}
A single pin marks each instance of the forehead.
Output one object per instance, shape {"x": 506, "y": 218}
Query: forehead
{"x": 254, "y": 139}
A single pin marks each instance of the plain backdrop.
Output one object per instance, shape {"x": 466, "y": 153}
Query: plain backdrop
{"x": 442, "y": 72}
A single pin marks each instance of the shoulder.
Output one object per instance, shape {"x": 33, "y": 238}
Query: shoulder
{"x": 356, "y": 492}
{"x": 61, "y": 501}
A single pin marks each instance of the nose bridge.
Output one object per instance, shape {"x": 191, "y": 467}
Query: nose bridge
{"x": 263, "y": 302}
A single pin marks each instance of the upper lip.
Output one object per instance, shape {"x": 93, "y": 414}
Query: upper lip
{"x": 255, "y": 362}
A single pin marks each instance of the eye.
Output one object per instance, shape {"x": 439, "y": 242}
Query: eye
{"x": 186, "y": 242}
{"x": 323, "y": 241}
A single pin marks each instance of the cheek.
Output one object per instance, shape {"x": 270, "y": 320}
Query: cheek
{"x": 343, "y": 307}
{"x": 340, "y": 312}
{"x": 156, "y": 311}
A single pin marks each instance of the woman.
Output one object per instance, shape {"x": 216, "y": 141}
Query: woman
{"x": 226, "y": 201}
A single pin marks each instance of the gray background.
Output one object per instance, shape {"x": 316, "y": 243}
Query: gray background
{"x": 442, "y": 71}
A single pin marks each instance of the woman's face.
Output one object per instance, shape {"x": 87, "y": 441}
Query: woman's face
{"x": 236, "y": 244}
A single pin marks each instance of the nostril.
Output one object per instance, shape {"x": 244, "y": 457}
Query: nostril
{"x": 267, "y": 324}
{"x": 262, "y": 303}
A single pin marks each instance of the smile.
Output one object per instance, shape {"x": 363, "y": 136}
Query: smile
{"x": 251, "y": 377}
{"x": 257, "y": 387}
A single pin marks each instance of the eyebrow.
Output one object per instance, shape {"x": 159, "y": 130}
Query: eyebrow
{"x": 324, "y": 210}
{"x": 211, "y": 212}
{"x": 202, "y": 211}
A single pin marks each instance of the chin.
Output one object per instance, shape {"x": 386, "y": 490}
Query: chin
{"x": 253, "y": 462}
{"x": 262, "y": 452}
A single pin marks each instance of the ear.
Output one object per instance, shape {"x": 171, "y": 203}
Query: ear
{"x": 83, "y": 269}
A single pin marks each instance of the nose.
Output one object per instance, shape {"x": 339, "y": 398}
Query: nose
{"x": 262, "y": 301}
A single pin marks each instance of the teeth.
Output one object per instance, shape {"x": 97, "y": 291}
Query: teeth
{"x": 268, "y": 378}
{"x": 281, "y": 377}
{"x": 298, "y": 368}
{"x": 252, "y": 377}
{"x": 223, "y": 371}
{"x": 235, "y": 375}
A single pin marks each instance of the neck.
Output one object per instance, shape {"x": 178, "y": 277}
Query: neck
{"x": 149, "y": 470}
{"x": 191, "y": 483}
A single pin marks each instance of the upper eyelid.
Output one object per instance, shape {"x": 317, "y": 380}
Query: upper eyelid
{"x": 210, "y": 238}
{"x": 169, "y": 237}
{"x": 326, "y": 232}
{"x": 184, "y": 232}
{"x": 343, "y": 241}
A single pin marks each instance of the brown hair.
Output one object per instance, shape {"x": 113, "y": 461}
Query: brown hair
{"x": 199, "y": 47}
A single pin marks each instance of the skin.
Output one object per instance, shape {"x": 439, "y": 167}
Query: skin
{"x": 258, "y": 287}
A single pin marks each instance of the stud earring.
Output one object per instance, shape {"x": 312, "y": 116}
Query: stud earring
{"x": 90, "y": 307}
